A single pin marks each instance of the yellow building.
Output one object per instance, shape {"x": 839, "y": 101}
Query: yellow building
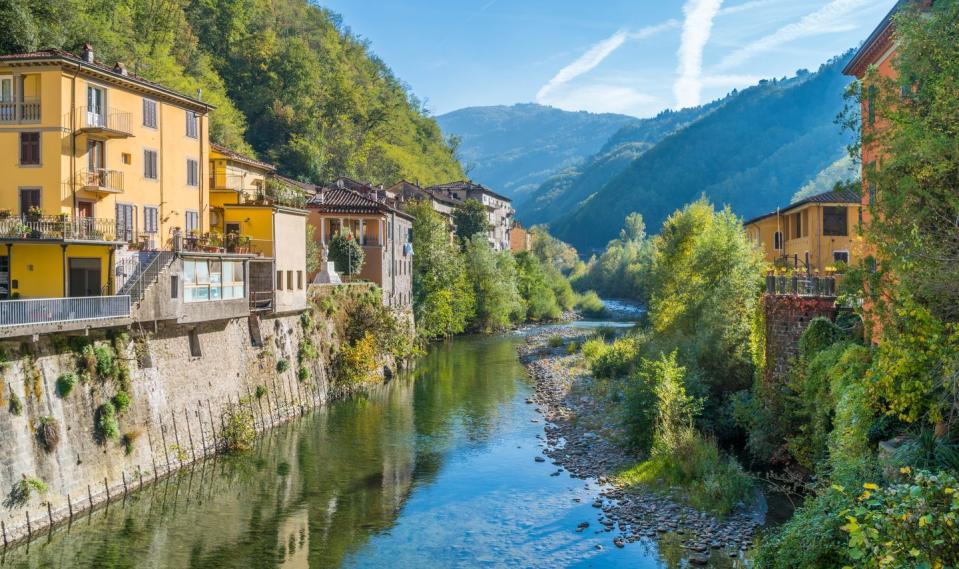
{"x": 815, "y": 234}
{"x": 97, "y": 162}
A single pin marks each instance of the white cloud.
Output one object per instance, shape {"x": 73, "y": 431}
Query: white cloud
{"x": 831, "y": 18}
{"x": 747, "y": 6}
{"x": 595, "y": 55}
{"x": 697, "y": 27}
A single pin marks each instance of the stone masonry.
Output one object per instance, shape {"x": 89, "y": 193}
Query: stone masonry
{"x": 787, "y": 317}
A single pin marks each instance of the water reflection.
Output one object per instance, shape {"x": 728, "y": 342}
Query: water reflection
{"x": 434, "y": 469}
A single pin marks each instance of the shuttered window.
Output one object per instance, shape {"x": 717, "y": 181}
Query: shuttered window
{"x": 192, "y": 172}
{"x": 149, "y": 113}
{"x": 151, "y": 219}
{"x": 30, "y": 148}
{"x": 126, "y": 221}
{"x": 834, "y": 221}
{"x": 191, "y": 124}
{"x": 150, "y": 164}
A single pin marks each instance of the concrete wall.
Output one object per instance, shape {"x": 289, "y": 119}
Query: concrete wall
{"x": 787, "y": 317}
{"x": 178, "y": 400}
{"x": 289, "y": 228}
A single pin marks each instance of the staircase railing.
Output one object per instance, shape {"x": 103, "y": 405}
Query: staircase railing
{"x": 138, "y": 284}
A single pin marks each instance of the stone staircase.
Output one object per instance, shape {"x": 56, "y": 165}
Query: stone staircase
{"x": 143, "y": 273}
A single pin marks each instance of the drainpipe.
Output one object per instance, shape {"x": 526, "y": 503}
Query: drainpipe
{"x": 9, "y": 270}
{"x": 201, "y": 181}
{"x": 66, "y": 288}
{"x": 110, "y": 282}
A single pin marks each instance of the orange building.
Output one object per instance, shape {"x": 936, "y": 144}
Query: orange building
{"x": 519, "y": 239}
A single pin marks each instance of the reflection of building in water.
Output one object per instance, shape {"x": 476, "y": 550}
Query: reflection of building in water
{"x": 398, "y": 465}
{"x": 293, "y": 540}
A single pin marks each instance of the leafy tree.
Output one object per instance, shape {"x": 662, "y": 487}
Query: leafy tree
{"x": 443, "y": 298}
{"x": 471, "y": 219}
{"x": 494, "y": 276}
{"x": 346, "y": 253}
{"x": 533, "y": 286}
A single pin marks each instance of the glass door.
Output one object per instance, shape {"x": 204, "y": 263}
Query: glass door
{"x": 96, "y": 163}
{"x": 7, "y": 106}
{"x": 96, "y": 107}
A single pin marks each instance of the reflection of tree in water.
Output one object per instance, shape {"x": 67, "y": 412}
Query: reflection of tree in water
{"x": 326, "y": 482}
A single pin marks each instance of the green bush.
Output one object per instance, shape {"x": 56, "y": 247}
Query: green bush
{"x": 618, "y": 360}
{"x": 346, "y": 253}
{"x": 555, "y": 341}
{"x": 105, "y": 367}
{"x": 129, "y": 440}
{"x": 15, "y": 406}
{"x": 572, "y": 348}
{"x": 307, "y": 351}
{"x": 811, "y": 538}
{"x": 88, "y": 360}
{"x": 592, "y": 349}
{"x": 819, "y": 335}
{"x": 590, "y": 304}
{"x": 307, "y": 322}
{"x": 357, "y": 363}
{"x": 239, "y": 429}
{"x": 302, "y": 374}
{"x": 106, "y": 425}
{"x": 259, "y": 392}
{"x": 282, "y": 366}
{"x": 23, "y": 490}
{"x": 121, "y": 401}
{"x": 65, "y": 384}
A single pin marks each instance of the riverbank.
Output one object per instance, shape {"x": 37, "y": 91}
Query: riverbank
{"x": 583, "y": 438}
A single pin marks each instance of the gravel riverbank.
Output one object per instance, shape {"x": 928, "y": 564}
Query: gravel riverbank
{"x": 581, "y": 438}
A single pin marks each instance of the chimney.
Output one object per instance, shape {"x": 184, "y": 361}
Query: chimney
{"x": 121, "y": 69}
{"x": 87, "y": 53}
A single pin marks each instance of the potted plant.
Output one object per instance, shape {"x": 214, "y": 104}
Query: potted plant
{"x": 5, "y": 213}
{"x": 34, "y": 213}
{"x": 213, "y": 242}
{"x": 244, "y": 244}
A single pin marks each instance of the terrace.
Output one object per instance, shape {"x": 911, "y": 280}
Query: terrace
{"x": 57, "y": 228}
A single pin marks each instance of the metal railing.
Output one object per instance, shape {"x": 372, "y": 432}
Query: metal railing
{"x": 145, "y": 275}
{"x": 802, "y": 285}
{"x": 102, "y": 118}
{"x": 101, "y": 180}
{"x": 27, "y": 110}
{"x": 56, "y": 227}
{"x": 23, "y": 312}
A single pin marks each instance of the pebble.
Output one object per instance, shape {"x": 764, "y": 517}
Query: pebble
{"x": 539, "y": 459}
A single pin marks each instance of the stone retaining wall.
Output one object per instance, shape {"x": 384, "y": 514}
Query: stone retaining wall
{"x": 786, "y": 319}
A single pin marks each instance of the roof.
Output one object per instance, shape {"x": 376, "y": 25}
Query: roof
{"x": 339, "y": 200}
{"x": 877, "y": 42}
{"x": 106, "y": 70}
{"x": 832, "y": 196}
{"x": 237, "y": 157}
{"x": 466, "y": 186}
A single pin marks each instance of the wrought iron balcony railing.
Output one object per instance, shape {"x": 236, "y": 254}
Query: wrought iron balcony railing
{"x": 102, "y": 121}
{"x": 57, "y": 227}
{"x": 101, "y": 180}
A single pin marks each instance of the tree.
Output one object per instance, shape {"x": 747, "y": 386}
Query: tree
{"x": 494, "y": 276}
{"x": 443, "y": 299}
{"x": 470, "y": 218}
{"x": 346, "y": 253}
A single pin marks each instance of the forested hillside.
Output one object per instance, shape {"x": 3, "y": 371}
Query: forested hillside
{"x": 564, "y": 191}
{"x": 513, "y": 149}
{"x": 289, "y": 80}
{"x": 753, "y": 152}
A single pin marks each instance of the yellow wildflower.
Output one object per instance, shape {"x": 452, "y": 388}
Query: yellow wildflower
{"x": 870, "y": 486}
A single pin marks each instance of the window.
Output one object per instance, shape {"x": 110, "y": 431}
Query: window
{"x": 127, "y": 158}
{"x": 279, "y": 280}
{"x": 192, "y": 221}
{"x": 30, "y": 148}
{"x": 289, "y": 280}
{"x": 778, "y": 241}
{"x": 209, "y": 279}
{"x": 797, "y": 225}
{"x": 834, "y": 221}
{"x": 195, "y": 350}
{"x": 7, "y": 112}
{"x": 299, "y": 280}
{"x": 191, "y": 124}
{"x": 150, "y": 164}
{"x": 125, "y": 216}
{"x": 29, "y": 197}
{"x": 840, "y": 257}
{"x": 192, "y": 172}
{"x": 151, "y": 219}
{"x": 149, "y": 113}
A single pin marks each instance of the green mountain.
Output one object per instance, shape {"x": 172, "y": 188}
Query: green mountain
{"x": 289, "y": 80}
{"x": 567, "y": 189}
{"x": 753, "y": 151}
{"x": 513, "y": 149}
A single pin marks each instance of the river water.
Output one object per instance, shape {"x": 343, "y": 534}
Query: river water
{"x": 434, "y": 469}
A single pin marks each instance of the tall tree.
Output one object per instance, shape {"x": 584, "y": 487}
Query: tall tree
{"x": 470, "y": 218}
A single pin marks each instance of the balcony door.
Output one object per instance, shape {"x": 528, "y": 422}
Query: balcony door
{"x": 7, "y": 108}
{"x": 85, "y": 277}
{"x": 96, "y": 106}
{"x": 126, "y": 218}
{"x": 96, "y": 163}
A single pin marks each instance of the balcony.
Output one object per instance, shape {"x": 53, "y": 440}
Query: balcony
{"x": 101, "y": 181}
{"x": 102, "y": 122}
{"x": 60, "y": 310}
{"x": 17, "y": 112}
{"x": 58, "y": 228}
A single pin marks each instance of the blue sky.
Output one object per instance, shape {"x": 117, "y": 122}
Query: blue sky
{"x": 636, "y": 57}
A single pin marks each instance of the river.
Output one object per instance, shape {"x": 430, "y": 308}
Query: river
{"x": 434, "y": 469}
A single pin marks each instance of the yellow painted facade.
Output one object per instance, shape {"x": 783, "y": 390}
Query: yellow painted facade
{"x": 808, "y": 235}
{"x": 118, "y": 159}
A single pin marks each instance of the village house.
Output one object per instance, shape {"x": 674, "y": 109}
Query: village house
{"x": 384, "y": 232}
{"x": 106, "y": 210}
{"x": 406, "y": 192}
{"x": 815, "y": 234}
{"x": 519, "y": 239}
{"x": 499, "y": 208}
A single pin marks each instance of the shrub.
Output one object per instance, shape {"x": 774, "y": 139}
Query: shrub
{"x": 592, "y": 349}
{"x": 555, "y": 341}
{"x": 259, "y": 392}
{"x": 282, "y": 366}
{"x": 65, "y": 384}
{"x": 48, "y": 433}
{"x": 121, "y": 401}
{"x": 914, "y": 523}
{"x": 15, "y": 406}
{"x": 572, "y": 348}
{"x": 618, "y": 359}
{"x": 105, "y": 367}
{"x": 239, "y": 431}
{"x": 129, "y": 440}
{"x": 819, "y": 335}
{"x": 307, "y": 322}
{"x": 106, "y": 425}
{"x": 812, "y": 537}
{"x": 302, "y": 374}
{"x": 590, "y": 304}
{"x": 357, "y": 363}
{"x": 346, "y": 253}
{"x": 88, "y": 360}
{"x": 307, "y": 351}
{"x": 23, "y": 490}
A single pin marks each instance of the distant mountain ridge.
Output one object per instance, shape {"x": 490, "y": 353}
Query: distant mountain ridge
{"x": 752, "y": 150}
{"x": 514, "y": 149}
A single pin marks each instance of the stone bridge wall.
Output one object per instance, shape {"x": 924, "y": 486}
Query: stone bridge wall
{"x": 787, "y": 317}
